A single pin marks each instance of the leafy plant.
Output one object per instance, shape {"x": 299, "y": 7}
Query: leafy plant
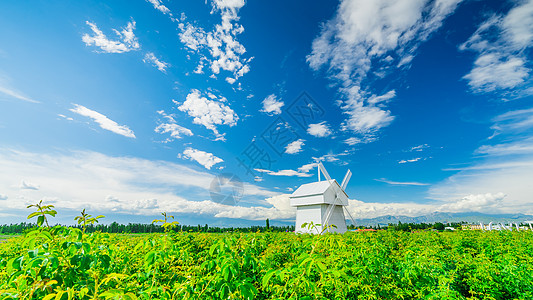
{"x": 42, "y": 211}
{"x": 84, "y": 219}
{"x": 312, "y": 226}
{"x": 166, "y": 224}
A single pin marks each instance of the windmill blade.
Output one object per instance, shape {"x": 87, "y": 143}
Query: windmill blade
{"x": 346, "y": 179}
{"x": 321, "y": 167}
{"x": 329, "y": 211}
{"x": 335, "y": 187}
{"x": 349, "y": 214}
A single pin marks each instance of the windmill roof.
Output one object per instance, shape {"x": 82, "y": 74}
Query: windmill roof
{"x": 315, "y": 188}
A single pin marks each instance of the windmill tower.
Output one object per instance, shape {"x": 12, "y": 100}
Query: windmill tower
{"x": 321, "y": 202}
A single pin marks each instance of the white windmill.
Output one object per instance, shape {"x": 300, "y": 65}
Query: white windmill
{"x": 322, "y": 202}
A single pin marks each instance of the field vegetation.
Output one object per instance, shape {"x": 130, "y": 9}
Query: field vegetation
{"x": 69, "y": 263}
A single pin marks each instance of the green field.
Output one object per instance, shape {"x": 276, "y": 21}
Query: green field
{"x": 65, "y": 263}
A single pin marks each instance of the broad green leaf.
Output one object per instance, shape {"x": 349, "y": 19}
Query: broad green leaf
{"x": 37, "y": 213}
{"x": 40, "y": 221}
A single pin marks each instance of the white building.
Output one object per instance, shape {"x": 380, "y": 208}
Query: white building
{"x": 312, "y": 202}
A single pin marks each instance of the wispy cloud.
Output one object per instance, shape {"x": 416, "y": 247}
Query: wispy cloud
{"x": 512, "y": 134}
{"x": 160, "y": 7}
{"x": 524, "y": 146}
{"x": 209, "y": 113}
{"x": 127, "y": 39}
{"x": 11, "y": 92}
{"x": 401, "y": 182}
{"x": 160, "y": 65}
{"x": 206, "y": 159}
{"x": 501, "y": 43}
{"x": 65, "y": 117}
{"x": 331, "y": 157}
{"x": 103, "y": 121}
{"x": 516, "y": 121}
{"x": 272, "y": 106}
{"x": 501, "y": 175}
{"x": 419, "y": 148}
{"x": 289, "y": 173}
{"x": 403, "y": 161}
{"x": 302, "y": 171}
{"x": 28, "y": 186}
{"x": 353, "y": 141}
{"x": 505, "y": 167}
{"x": 171, "y": 126}
{"x": 365, "y": 41}
{"x": 294, "y": 147}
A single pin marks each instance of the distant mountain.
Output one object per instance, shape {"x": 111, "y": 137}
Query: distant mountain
{"x": 443, "y": 217}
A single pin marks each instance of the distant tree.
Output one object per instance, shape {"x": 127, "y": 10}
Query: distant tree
{"x": 439, "y": 226}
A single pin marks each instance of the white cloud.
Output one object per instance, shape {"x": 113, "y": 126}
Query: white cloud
{"x": 208, "y": 113}
{"x": 193, "y": 37}
{"x": 401, "y": 182}
{"x": 128, "y": 41}
{"x": 160, "y": 7}
{"x": 206, "y": 159}
{"x": 307, "y": 167}
{"x": 279, "y": 209}
{"x": 524, "y": 146}
{"x": 65, "y": 117}
{"x": 176, "y": 131}
{"x": 103, "y": 121}
{"x": 513, "y": 130}
{"x": 479, "y": 202}
{"x": 289, "y": 173}
{"x": 365, "y": 210}
{"x": 28, "y": 186}
{"x": 272, "y": 106}
{"x": 501, "y": 42}
{"x": 331, "y": 157}
{"x": 319, "y": 130}
{"x": 403, "y": 161}
{"x": 366, "y": 40}
{"x": 492, "y": 72}
{"x": 3, "y": 197}
{"x": 485, "y": 203}
{"x": 513, "y": 121}
{"x": 419, "y": 148}
{"x": 294, "y": 147}
{"x": 511, "y": 179}
{"x": 364, "y": 119}
{"x": 73, "y": 181}
{"x": 225, "y": 52}
{"x": 11, "y": 92}
{"x": 353, "y": 141}
{"x": 160, "y": 65}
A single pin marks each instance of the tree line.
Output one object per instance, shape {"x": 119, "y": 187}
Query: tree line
{"x": 155, "y": 228}
{"x": 148, "y": 228}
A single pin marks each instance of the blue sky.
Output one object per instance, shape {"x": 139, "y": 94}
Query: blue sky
{"x": 132, "y": 108}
